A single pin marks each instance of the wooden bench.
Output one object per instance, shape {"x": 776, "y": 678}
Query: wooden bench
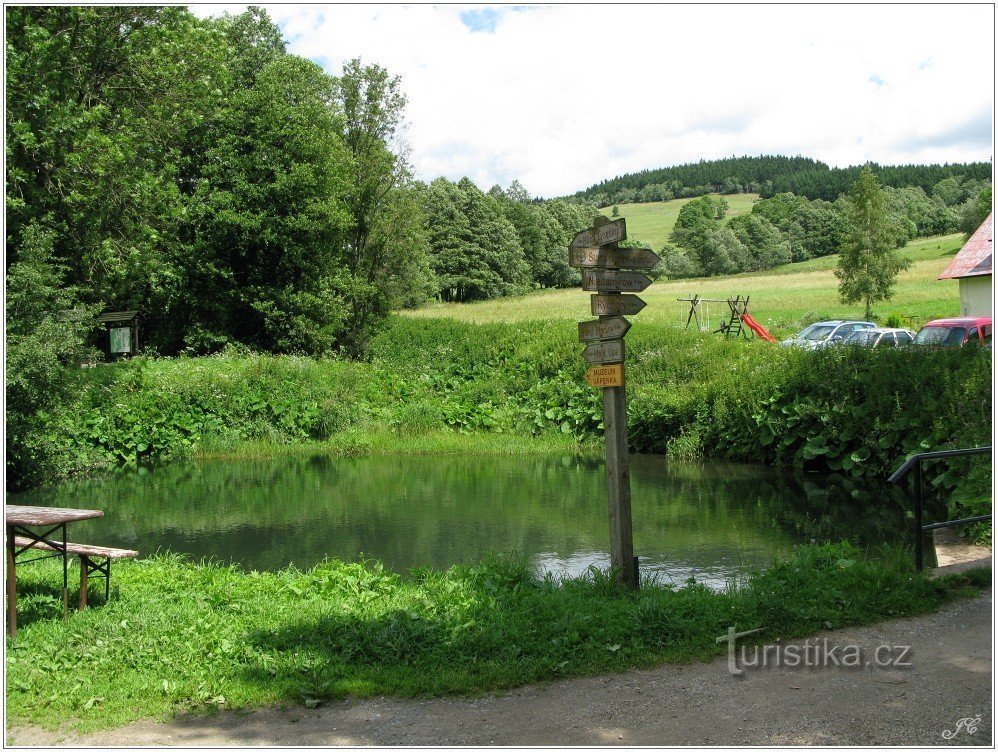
{"x": 93, "y": 559}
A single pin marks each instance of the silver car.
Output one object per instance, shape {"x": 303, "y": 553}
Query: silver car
{"x": 880, "y": 337}
{"x": 825, "y": 333}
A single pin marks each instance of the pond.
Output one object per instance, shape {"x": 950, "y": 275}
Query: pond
{"x": 713, "y": 522}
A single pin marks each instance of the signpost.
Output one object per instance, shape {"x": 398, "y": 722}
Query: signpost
{"x": 612, "y": 281}
{"x": 616, "y": 305}
{"x": 595, "y": 250}
{"x": 612, "y": 258}
{"x": 611, "y": 351}
{"x": 602, "y": 234}
{"x": 605, "y": 376}
{"x": 606, "y": 327}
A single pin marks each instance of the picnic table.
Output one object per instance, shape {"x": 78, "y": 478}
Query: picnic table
{"x": 41, "y": 530}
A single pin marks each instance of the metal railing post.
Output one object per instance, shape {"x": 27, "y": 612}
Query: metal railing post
{"x": 919, "y": 553}
{"x": 914, "y": 463}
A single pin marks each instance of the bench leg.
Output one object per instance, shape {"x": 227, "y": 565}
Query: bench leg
{"x": 84, "y": 572}
{"x": 107, "y": 582}
{"x": 11, "y": 585}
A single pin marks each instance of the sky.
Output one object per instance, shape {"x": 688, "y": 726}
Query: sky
{"x": 560, "y": 97}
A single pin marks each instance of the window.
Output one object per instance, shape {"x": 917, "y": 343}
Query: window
{"x": 952, "y": 336}
{"x": 815, "y": 333}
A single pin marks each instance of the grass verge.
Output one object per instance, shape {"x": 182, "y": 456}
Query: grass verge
{"x": 201, "y": 637}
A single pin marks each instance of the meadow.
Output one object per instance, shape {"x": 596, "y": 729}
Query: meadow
{"x": 652, "y": 223}
{"x": 783, "y": 299}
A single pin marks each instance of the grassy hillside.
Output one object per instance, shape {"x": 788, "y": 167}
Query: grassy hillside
{"x": 652, "y": 223}
{"x": 782, "y": 299}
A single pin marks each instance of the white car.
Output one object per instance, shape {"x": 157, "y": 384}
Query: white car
{"x": 880, "y": 337}
{"x": 825, "y": 333}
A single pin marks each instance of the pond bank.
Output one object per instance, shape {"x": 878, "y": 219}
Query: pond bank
{"x": 201, "y": 637}
{"x": 669, "y": 705}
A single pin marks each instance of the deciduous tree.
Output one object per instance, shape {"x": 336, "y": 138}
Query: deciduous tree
{"x": 869, "y": 263}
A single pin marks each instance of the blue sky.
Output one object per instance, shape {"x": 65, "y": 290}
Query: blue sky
{"x": 560, "y": 97}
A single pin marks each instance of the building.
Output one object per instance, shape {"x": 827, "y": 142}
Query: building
{"x": 972, "y": 266}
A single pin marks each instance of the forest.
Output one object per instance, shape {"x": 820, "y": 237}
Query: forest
{"x": 788, "y": 228}
{"x": 770, "y": 175}
{"x": 234, "y": 193}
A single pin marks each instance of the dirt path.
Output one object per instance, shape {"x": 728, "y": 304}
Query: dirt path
{"x": 949, "y": 679}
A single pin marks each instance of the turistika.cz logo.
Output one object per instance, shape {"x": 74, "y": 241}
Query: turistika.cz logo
{"x": 812, "y": 653}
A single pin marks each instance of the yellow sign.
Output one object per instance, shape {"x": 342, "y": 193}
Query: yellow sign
{"x": 606, "y": 376}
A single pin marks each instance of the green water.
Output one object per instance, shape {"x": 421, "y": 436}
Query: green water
{"x": 714, "y": 522}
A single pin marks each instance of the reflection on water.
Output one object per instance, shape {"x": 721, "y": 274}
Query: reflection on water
{"x": 712, "y": 522}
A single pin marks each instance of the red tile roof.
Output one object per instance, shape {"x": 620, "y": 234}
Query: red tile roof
{"x": 974, "y": 258}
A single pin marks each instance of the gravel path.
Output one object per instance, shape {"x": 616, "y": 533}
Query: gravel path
{"x": 949, "y": 679}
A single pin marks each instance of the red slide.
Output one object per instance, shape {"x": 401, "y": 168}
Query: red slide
{"x": 756, "y": 327}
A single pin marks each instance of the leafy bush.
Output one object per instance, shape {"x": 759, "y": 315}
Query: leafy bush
{"x": 46, "y": 339}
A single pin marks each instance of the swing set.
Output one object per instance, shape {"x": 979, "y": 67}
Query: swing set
{"x": 738, "y": 322}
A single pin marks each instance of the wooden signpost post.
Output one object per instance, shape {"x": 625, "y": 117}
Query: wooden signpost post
{"x": 596, "y": 252}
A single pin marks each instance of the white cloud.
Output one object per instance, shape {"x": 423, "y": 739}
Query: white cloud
{"x": 560, "y": 97}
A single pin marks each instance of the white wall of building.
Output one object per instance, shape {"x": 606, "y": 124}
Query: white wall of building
{"x": 975, "y": 295}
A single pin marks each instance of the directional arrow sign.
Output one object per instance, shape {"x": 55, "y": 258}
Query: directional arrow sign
{"x": 616, "y": 305}
{"x": 612, "y": 258}
{"x": 614, "y": 327}
{"x": 606, "y": 376}
{"x": 611, "y": 232}
{"x": 611, "y": 351}
{"x": 611, "y": 281}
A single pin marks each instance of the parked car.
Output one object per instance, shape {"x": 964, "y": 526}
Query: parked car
{"x": 824, "y": 333}
{"x": 880, "y": 337}
{"x": 955, "y": 332}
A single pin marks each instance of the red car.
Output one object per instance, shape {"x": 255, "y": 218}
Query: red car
{"x": 955, "y": 332}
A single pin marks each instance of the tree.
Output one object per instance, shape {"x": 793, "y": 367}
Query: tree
{"x": 976, "y": 211}
{"x": 869, "y": 263}
{"x": 766, "y": 245}
{"x": 268, "y": 217}
{"x": 100, "y": 101}
{"x": 47, "y": 327}
{"x": 474, "y": 249}
{"x": 385, "y": 253}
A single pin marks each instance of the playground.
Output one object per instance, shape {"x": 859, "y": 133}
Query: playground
{"x": 737, "y": 321}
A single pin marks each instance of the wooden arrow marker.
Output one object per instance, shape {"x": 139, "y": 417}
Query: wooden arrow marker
{"x": 613, "y": 281}
{"x": 616, "y": 305}
{"x": 611, "y": 327}
{"x": 611, "y": 232}
{"x": 612, "y": 258}
{"x": 611, "y": 351}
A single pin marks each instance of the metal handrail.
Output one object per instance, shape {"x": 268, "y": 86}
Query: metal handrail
{"x": 906, "y": 467}
{"x": 915, "y": 461}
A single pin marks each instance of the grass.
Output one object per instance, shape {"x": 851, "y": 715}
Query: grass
{"x": 782, "y": 299}
{"x": 185, "y": 636}
{"x": 652, "y": 223}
